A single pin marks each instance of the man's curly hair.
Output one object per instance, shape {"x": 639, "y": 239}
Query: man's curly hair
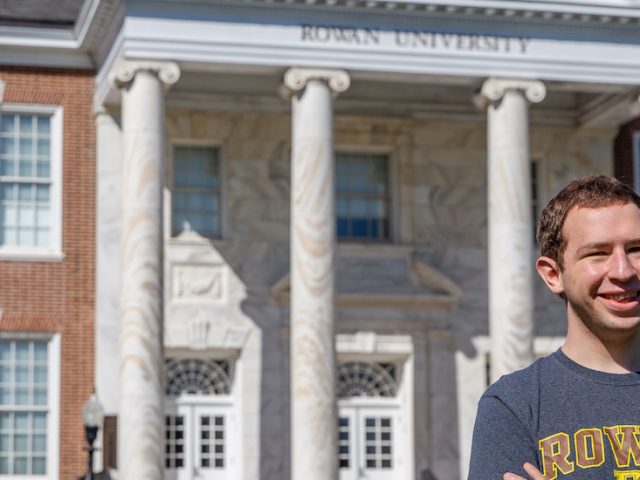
{"x": 586, "y": 192}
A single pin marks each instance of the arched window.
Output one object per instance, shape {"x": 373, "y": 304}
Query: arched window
{"x": 366, "y": 379}
{"x": 197, "y": 377}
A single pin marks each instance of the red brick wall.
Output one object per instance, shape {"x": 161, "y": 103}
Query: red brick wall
{"x": 59, "y": 296}
{"x": 623, "y": 151}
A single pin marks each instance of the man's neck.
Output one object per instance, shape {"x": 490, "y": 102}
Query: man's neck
{"x": 617, "y": 352}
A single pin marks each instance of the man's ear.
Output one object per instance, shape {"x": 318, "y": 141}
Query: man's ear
{"x": 550, "y": 272}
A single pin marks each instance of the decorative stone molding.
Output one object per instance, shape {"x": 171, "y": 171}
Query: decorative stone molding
{"x": 295, "y": 79}
{"x": 439, "y": 293}
{"x": 198, "y": 283}
{"x": 494, "y": 89}
{"x": 370, "y": 343}
{"x": 201, "y": 331}
{"x": 126, "y": 70}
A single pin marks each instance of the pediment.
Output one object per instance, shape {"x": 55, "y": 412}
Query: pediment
{"x": 386, "y": 282}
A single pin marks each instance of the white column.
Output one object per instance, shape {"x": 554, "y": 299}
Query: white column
{"x": 313, "y": 402}
{"x": 510, "y": 222}
{"x": 140, "y": 402}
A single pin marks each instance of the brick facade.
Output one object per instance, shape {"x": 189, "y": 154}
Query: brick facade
{"x": 58, "y": 296}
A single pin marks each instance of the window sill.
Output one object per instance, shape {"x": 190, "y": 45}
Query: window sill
{"x": 24, "y": 255}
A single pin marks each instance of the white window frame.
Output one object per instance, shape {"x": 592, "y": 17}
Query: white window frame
{"x": 635, "y": 142}
{"x": 54, "y": 251}
{"x": 168, "y": 191}
{"x": 53, "y": 403}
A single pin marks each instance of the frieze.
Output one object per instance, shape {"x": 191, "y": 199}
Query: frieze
{"x": 414, "y": 40}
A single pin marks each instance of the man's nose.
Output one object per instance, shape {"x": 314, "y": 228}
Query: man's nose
{"x": 622, "y": 267}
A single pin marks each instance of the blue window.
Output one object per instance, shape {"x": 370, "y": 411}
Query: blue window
{"x": 362, "y": 196}
{"x": 195, "y": 201}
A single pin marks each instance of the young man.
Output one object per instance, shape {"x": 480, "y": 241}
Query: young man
{"x": 576, "y": 413}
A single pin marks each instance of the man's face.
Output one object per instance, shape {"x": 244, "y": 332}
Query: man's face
{"x": 601, "y": 276}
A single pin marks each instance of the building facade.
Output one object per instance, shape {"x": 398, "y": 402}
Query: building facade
{"x": 47, "y": 265}
{"x": 315, "y": 219}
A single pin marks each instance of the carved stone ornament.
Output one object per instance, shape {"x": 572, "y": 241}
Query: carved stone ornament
{"x": 296, "y": 78}
{"x": 198, "y": 283}
{"x": 126, "y": 70}
{"x": 494, "y": 89}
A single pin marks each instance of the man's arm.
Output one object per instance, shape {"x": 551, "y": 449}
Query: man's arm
{"x": 501, "y": 442}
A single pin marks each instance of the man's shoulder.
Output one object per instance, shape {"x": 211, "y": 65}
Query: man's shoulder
{"x": 522, "y": 384}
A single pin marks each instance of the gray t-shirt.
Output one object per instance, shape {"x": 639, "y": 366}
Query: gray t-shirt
{"x": 569, "y": 421}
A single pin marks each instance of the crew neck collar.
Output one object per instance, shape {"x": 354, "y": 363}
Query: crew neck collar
{"x": 632, "y": 378}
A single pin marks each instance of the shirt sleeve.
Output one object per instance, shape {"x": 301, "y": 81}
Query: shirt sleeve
{"x": 501, "y": 442}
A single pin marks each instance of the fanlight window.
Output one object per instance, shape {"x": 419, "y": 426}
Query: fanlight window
{"x": 197, "y": 377}
{"x": 367, "y": 379}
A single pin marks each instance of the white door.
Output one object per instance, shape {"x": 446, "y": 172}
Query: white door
{"x": 197, "y": 442}
{"x": 369, "y": 443}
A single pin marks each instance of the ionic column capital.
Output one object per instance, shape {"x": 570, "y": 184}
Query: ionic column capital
{"x": 126, "y": 70}
{"x": 493, "y": 89}
{"x": 296, "y": 79}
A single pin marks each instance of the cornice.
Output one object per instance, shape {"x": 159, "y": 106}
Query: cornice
{"x": 615, "y": 13}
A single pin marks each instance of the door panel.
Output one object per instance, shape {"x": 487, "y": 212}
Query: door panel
{"x": 197, "y": 443}
{"x": 369, "y": 443}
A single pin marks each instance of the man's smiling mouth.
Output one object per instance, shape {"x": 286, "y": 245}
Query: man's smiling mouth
{"x": 620, "y": 297}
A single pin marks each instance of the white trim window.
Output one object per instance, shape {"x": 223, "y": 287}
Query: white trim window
{"x": 30, "y": 181}
{"x": 197, "y": 191}
{"x": 29, "y": 394}
{"x": 363, "y": 201}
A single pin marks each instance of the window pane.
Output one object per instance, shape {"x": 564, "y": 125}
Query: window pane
{"x": 7, "y": 148}
{"x": 7, "y": 167}
{"x": 26, "y": 124}
{"x": 25, "y": 193}
{"x": 4, "y": 465}
{"x": 22, "y": 351}
{"x": 5, "y": 444}
{"x": 20, "y": 443}
{"x": 20, "y": 465}
{"x": 43, "y": 147}
{"x": 7, "y": 123}
{"x": 27, "y": 216}
{"x": 40, "y": 351}
{"x": 9, "y": 236}
{"x": 40, "y": 374}
{"x": 39, "y": 421}
{"x": 39, "y": 466}
{"x": 26, "y": 168}
{"x": 43, "y": 125}
{"x": 7, "y": 191}
{"x": 22, "y": 374}
{"x": 42, "y": 193}
{"x": 21, "y": 421}
{"x": 40, "y": 443}
{"x": 40, "y": 396}
{"x": 42, "y": 169}
{"x": 5, "y": 351}
{"x": 26, "y": 237}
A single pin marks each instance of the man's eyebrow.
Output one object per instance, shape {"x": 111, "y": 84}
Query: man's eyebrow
{"x": 597, "y": 245}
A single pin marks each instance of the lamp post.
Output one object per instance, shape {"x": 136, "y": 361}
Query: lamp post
{"x": 93, "y": 414}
